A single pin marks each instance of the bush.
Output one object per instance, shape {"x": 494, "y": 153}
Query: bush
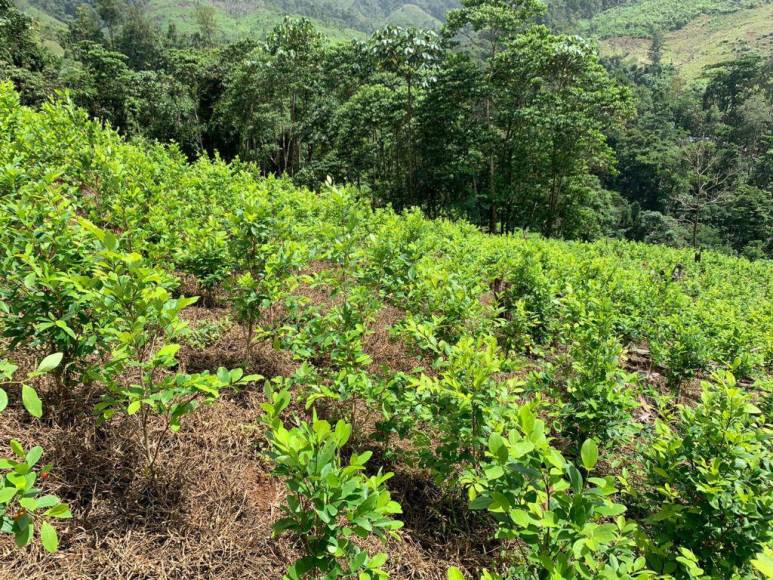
{"x": 538, "y": 498}
{"x": 330, "y": 502}
{"x": 710, "y": 478}
{"x": 460, "y": 405}
{"x": 597, "y": 398}
{"x": 23, "y": 506}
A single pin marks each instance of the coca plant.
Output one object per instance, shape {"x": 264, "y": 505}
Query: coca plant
{"x": 330, "y": 501}
{"x": 565, "y": 520}
{"x": 46, "y": 304}
{"x": 709, "y": 479}
{"x": 145, "y": 324}
{"x": 253, "y": 294}
{"x": 24, "y": 506}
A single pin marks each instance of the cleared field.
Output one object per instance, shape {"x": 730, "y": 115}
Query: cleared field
{"x": 704, "y": 41}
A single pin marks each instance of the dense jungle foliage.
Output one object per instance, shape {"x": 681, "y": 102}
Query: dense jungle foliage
{"x": 496, "y": 119}
{"x": 601, "y": 409}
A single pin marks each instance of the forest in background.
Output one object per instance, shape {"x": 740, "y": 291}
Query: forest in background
{"x": 496, "y": 119}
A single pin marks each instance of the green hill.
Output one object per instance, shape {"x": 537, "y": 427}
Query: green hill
{"x": 705, "y": 40}
{"x": 696, "y": 32}
{"x": 639, "y": 18}
{"x": 245, "y": 18}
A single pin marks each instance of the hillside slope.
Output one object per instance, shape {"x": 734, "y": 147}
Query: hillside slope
{"x": 696, "y": 32}
{"x": 703, "y": 41}
{"x": 430, "y": 337}
{"x": 244, "y": 18}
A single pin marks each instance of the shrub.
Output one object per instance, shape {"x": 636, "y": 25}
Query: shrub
{"x": 526, "y": 297}
{"x": 23, "y": 506}
{"x": 145, "y": 321}
{"x": 597, "y": 399}
{"x": 255, "y": 293}
{"x": 461, "y": 404}
{"x": 207, "y": 258}
{"x": 330, "y": 502}
{"x": 710, "y": 479}
{"x": 47, "y": 301}
{"x": 681, "y": 347}
{"x": 562, "y": 518}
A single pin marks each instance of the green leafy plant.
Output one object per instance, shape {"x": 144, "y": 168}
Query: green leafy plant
{"x": 681, "y": 347}
{"x": 254, "y": 294}
{"x": 146, "y": 321}
{"x": 710, "y": 478}
{"x": 330, "y": 502}
{"x": 47, "y": 305}
{"x": 570, "y": 524}
{"x": 597, "y": 396}
{"x": 207, "y": 258}
{"x": 462, "y": 403}
{"x": 23, "y": 505}
{"x": 525, "y": 296}
{"x": 332, "y": 339}
{"x": 29, "y": 396}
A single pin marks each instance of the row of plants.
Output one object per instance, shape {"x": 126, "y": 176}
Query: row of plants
{"x": 521, "y": 398}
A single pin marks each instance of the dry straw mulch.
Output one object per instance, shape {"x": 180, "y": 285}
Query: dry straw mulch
{"x": 209, "y": 512}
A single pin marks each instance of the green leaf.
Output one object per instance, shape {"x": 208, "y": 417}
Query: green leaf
{"x": 3, "y": 400}
{"x": 49, "y": 537}
{"x": 133, "y": 407}
{"x": 494, "y": 472}
{"x": 47, "y": 501}
{"x": 611, "y": 510}
{"x": 29, "y": 503}
{"x": 590, "y": 454}
{"x": 454, "y": 573}
{"x": 554, "y": 457}
{"x": 25, "y": 531}
{"x": 7, "y": 494}
{"x": 60, "y": 511}
{"x": 480, "y": 503}
{"x": 495, "y": 443}
{"x": 521, "y": 448}
{"x": 17, "y": 448}
{"x": 235, "y": 375}
{"x": 31, "y": 401}
{"x": 359, "y": 560}
{"x": 34, "y": 455}
{"x": 764, "y": 562}
{"x": 604, "y": 534}
{"x": 223, "y": 375}
{"x": 520, "y": 517}
{"x": 377, "y": 561}
{"x": 50, "y": 362}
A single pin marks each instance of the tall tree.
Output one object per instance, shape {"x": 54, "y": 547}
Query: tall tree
{"x": 111, "y": 12}
{"x": 409, "y": 53}
{"x": 21, "y": 58}
{"x": 451, "y": 139}
{"x": 486, "y": 26}
{"x": 557, "y": 102}
{"x": 709, "y": 181}
{"x": 208, "y": 28}
{"x": 139, "y": 38}
{"x": 269, "y": 98}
